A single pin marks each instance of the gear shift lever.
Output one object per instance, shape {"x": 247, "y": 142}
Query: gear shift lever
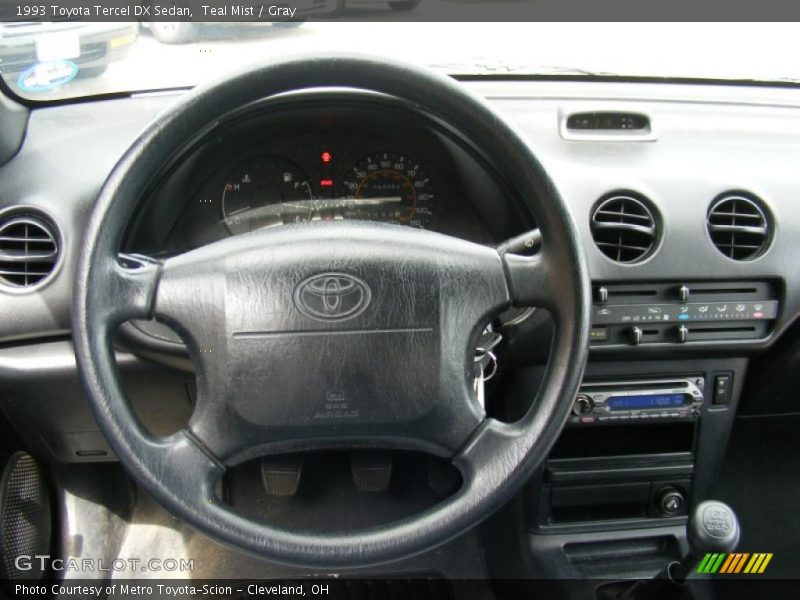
{"x": 712, "y": 527}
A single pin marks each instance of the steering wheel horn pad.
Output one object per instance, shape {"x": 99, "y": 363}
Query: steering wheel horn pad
{"x": 339, "y": 334}
{"x": 366, "y": 343}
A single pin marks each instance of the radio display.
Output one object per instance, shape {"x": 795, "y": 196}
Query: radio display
{"x": 646, "y": 401}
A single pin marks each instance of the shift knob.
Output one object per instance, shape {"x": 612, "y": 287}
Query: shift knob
{"x": 712, "y": 527}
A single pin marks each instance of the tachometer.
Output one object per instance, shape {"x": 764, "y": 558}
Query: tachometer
{"x": 263, "y": 191}
{"x": 389, "y": 187}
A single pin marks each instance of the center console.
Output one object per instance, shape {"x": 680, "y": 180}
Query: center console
{"x": 642, "y": 440}
{"x": 642, "y": 447}
{"x": 648, "y": 427}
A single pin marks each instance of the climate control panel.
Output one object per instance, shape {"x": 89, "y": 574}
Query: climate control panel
{"x": 681, "y": 312}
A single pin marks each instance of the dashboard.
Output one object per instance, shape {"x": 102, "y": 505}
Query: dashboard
{"x": 357, "y": 158}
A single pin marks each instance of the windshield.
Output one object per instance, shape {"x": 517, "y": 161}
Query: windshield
{"x": 56, "y": 60}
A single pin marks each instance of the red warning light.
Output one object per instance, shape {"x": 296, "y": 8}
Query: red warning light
{"x": 326, "y": 157}
{"x": 326, "y": 182}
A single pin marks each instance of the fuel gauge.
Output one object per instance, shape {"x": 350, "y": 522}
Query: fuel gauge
{"x": 258, "y": 191}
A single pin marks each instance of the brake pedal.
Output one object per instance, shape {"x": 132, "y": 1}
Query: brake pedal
{"x": 281, "y": 474}
{"x": 371, "y": 470}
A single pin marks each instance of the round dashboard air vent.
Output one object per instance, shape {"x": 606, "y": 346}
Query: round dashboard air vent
{"x": 28, "y": 250}
{"x": 738, "y": 226}
{"x": 624, "y": 227}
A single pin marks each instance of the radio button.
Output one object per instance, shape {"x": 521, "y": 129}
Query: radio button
{"x": 583, "y": 405}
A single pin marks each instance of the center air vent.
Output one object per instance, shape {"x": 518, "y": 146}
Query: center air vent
{"x": 28, "y": 250}
{"x": 624, "y": 228}
{"x": 738, "y": 226}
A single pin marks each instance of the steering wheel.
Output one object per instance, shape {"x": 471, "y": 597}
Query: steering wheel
{"x": 379, "y": 322}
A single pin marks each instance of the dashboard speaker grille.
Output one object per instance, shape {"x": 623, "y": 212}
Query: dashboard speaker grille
{"x": 624, "y": 228}
{"x": 738, "y": 226}
{"x": 28, "y": 250}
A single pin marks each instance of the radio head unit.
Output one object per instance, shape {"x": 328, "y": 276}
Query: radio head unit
{"x": 605, "y": 402}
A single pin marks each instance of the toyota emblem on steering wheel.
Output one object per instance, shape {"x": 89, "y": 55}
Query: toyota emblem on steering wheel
{"x": 332, "y": 296}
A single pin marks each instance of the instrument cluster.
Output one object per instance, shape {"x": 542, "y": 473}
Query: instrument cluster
{"x": 322, "y": 165}
{"x": 266, "y": 190}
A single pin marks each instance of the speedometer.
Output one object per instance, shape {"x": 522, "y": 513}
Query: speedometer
{"x": 389, "y": 187}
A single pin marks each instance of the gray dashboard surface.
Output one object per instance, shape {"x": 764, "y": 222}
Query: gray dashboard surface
{"x": 708, "y": 140}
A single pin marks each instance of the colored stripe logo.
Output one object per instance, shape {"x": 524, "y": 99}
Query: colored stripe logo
{"x": 734, "y": 563}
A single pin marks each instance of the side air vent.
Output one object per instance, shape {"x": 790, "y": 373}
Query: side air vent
{"x": 624, "y": 227}
{"x": 738, "y": 226}
{"x": 28, "y": 250}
